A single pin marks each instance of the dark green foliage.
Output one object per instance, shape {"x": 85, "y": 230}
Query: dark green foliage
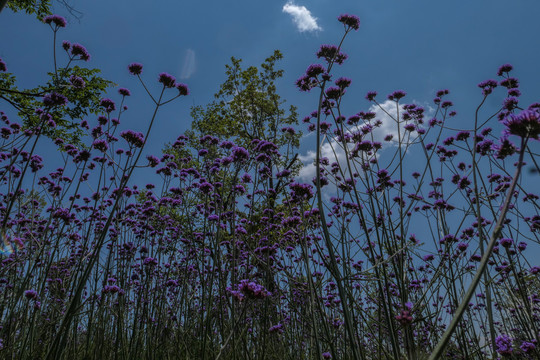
{"x": 82, "y": 102}
{"x": 38, "y": 7}
{"x": 247, "y": 107}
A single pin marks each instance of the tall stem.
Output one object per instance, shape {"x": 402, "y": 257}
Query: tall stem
{"x": 437, "y": 353}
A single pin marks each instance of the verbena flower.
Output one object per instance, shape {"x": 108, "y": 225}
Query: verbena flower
{"x": 504, "y": 345}
{"x": 54, "y": 99}
{"x": 31, "y": 294}
{"x": 133, "y": 138}
{"x": 135, "y": 68}
{"x": 315, "y": 69}
{"x": 371, "y": 95}
{"x": 343, "y": 82}
{"x": 526, "y": 124}
{"x": 79, "y": 50}
{"x": 182, "y": 89}
{"x": 506, "y": 68}
{"x": 487, "y": 86}
{"x": 167, "y": 80}
{"x": 108, "y": 104}
{"x": 3, "y": 66}
{"x": 57, "y": 20}
{"x": 510, "y": 83}
{"x": 100, "y": 145}
{"x": 350, "y": 21}
{"x": 506, "y": 243}
{"x": 396, "y": 95}
{"x": 124, "y": 92}
{"x": 334, "y": 92}
{"x": 330, "y": 53}
{"x": 527, "y": 347}
{"x": 77, "y": 82}
{"x": 239, "y": 154}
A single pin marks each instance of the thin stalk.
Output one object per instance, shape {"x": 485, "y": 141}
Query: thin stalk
{"x": 463, "y": 306}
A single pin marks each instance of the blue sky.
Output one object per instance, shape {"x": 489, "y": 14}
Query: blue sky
{"x": 418, "y": 46}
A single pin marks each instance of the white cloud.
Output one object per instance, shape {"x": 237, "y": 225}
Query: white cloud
{"x": 302, "y": 17}
{"x": 387, "y": 113}
{"x": 188, "y": 68}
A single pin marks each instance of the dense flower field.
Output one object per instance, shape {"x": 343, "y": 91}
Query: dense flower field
{"x": 231, "y": 256}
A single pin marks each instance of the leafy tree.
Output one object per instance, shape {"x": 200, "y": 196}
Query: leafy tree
{"x": 248, "y": 109}
{"x": 40, "y": 8}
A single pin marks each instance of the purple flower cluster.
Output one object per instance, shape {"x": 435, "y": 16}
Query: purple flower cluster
{"x": 526, "y": 124}
{"x": 350, "y": 21}
{"x": 133, "y": 138}
{"x": 167, "y": 80}
{"x": 54, "y": 99}
{"x": 57, "y": 20}
{"x": 135, "y": 68}
{"x": 79, "y": 50}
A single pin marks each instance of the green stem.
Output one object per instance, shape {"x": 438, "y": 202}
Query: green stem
{"x": 437, "y": 353}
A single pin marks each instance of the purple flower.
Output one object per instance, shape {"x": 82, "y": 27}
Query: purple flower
{"x": 334, "y": 92}
{"x": 206, "y": 187}
{"x": 506, "y": 68}
{"x": 462, "y": 135}
{"x": 252, "y": 289}
{"x": 462, "y": 246}
{"x": 58, "y": 20}
{"x": 240, "y": 154}
{"x": 133, "y": 138}
{"x": 396, "y": 95}
{"x": 350, "y": 21}
{"x": 428, "y": 257}
{"x": 326, "y": 355}
{"x": 343, "y": 82}
{"x": 504, "y": 345}
{"x": 305, "y": 83}
{"x": 246, "y": 178}
{"x": 504, "y": 149}
{"x": 100, "y": 145}
{"x": 79, "y": 50}
{"x": 66, "y": 45}
{"x": 54, "y": 99}
{"x": 182, "y": 89}
{"x": 152, "y": 160}
{"x": 514, "y": 92}
{"x": 124, "y": 92}
{"x": 487, "y": 86}
{"x": 510, "y": 83}
{"x": 150, "y": 261}
{"x": 203, "y": 152}
{"x": 371, "y": 95}
{"x": 77, "y": 82}
{"x": 167, "y": 80}
{"x": 404, "y": 317}
{"x": 108, "y": 104}
{"x": 31, "y": 294}
{"x": 526, "y": 124}
{"x": 409, "y": 127}
{"x": 527, "y": 347}
{"x": 314, "y": 70}
{"x": 135, "y": 68}
{"x": 3, "y": 66}
{"x": 506, "y": 243}
{"x": 330, "y": 53}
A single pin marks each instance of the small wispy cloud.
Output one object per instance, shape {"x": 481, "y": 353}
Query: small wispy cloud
{"x": 302, "y": 17}
{"x": 189, "y": 66}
